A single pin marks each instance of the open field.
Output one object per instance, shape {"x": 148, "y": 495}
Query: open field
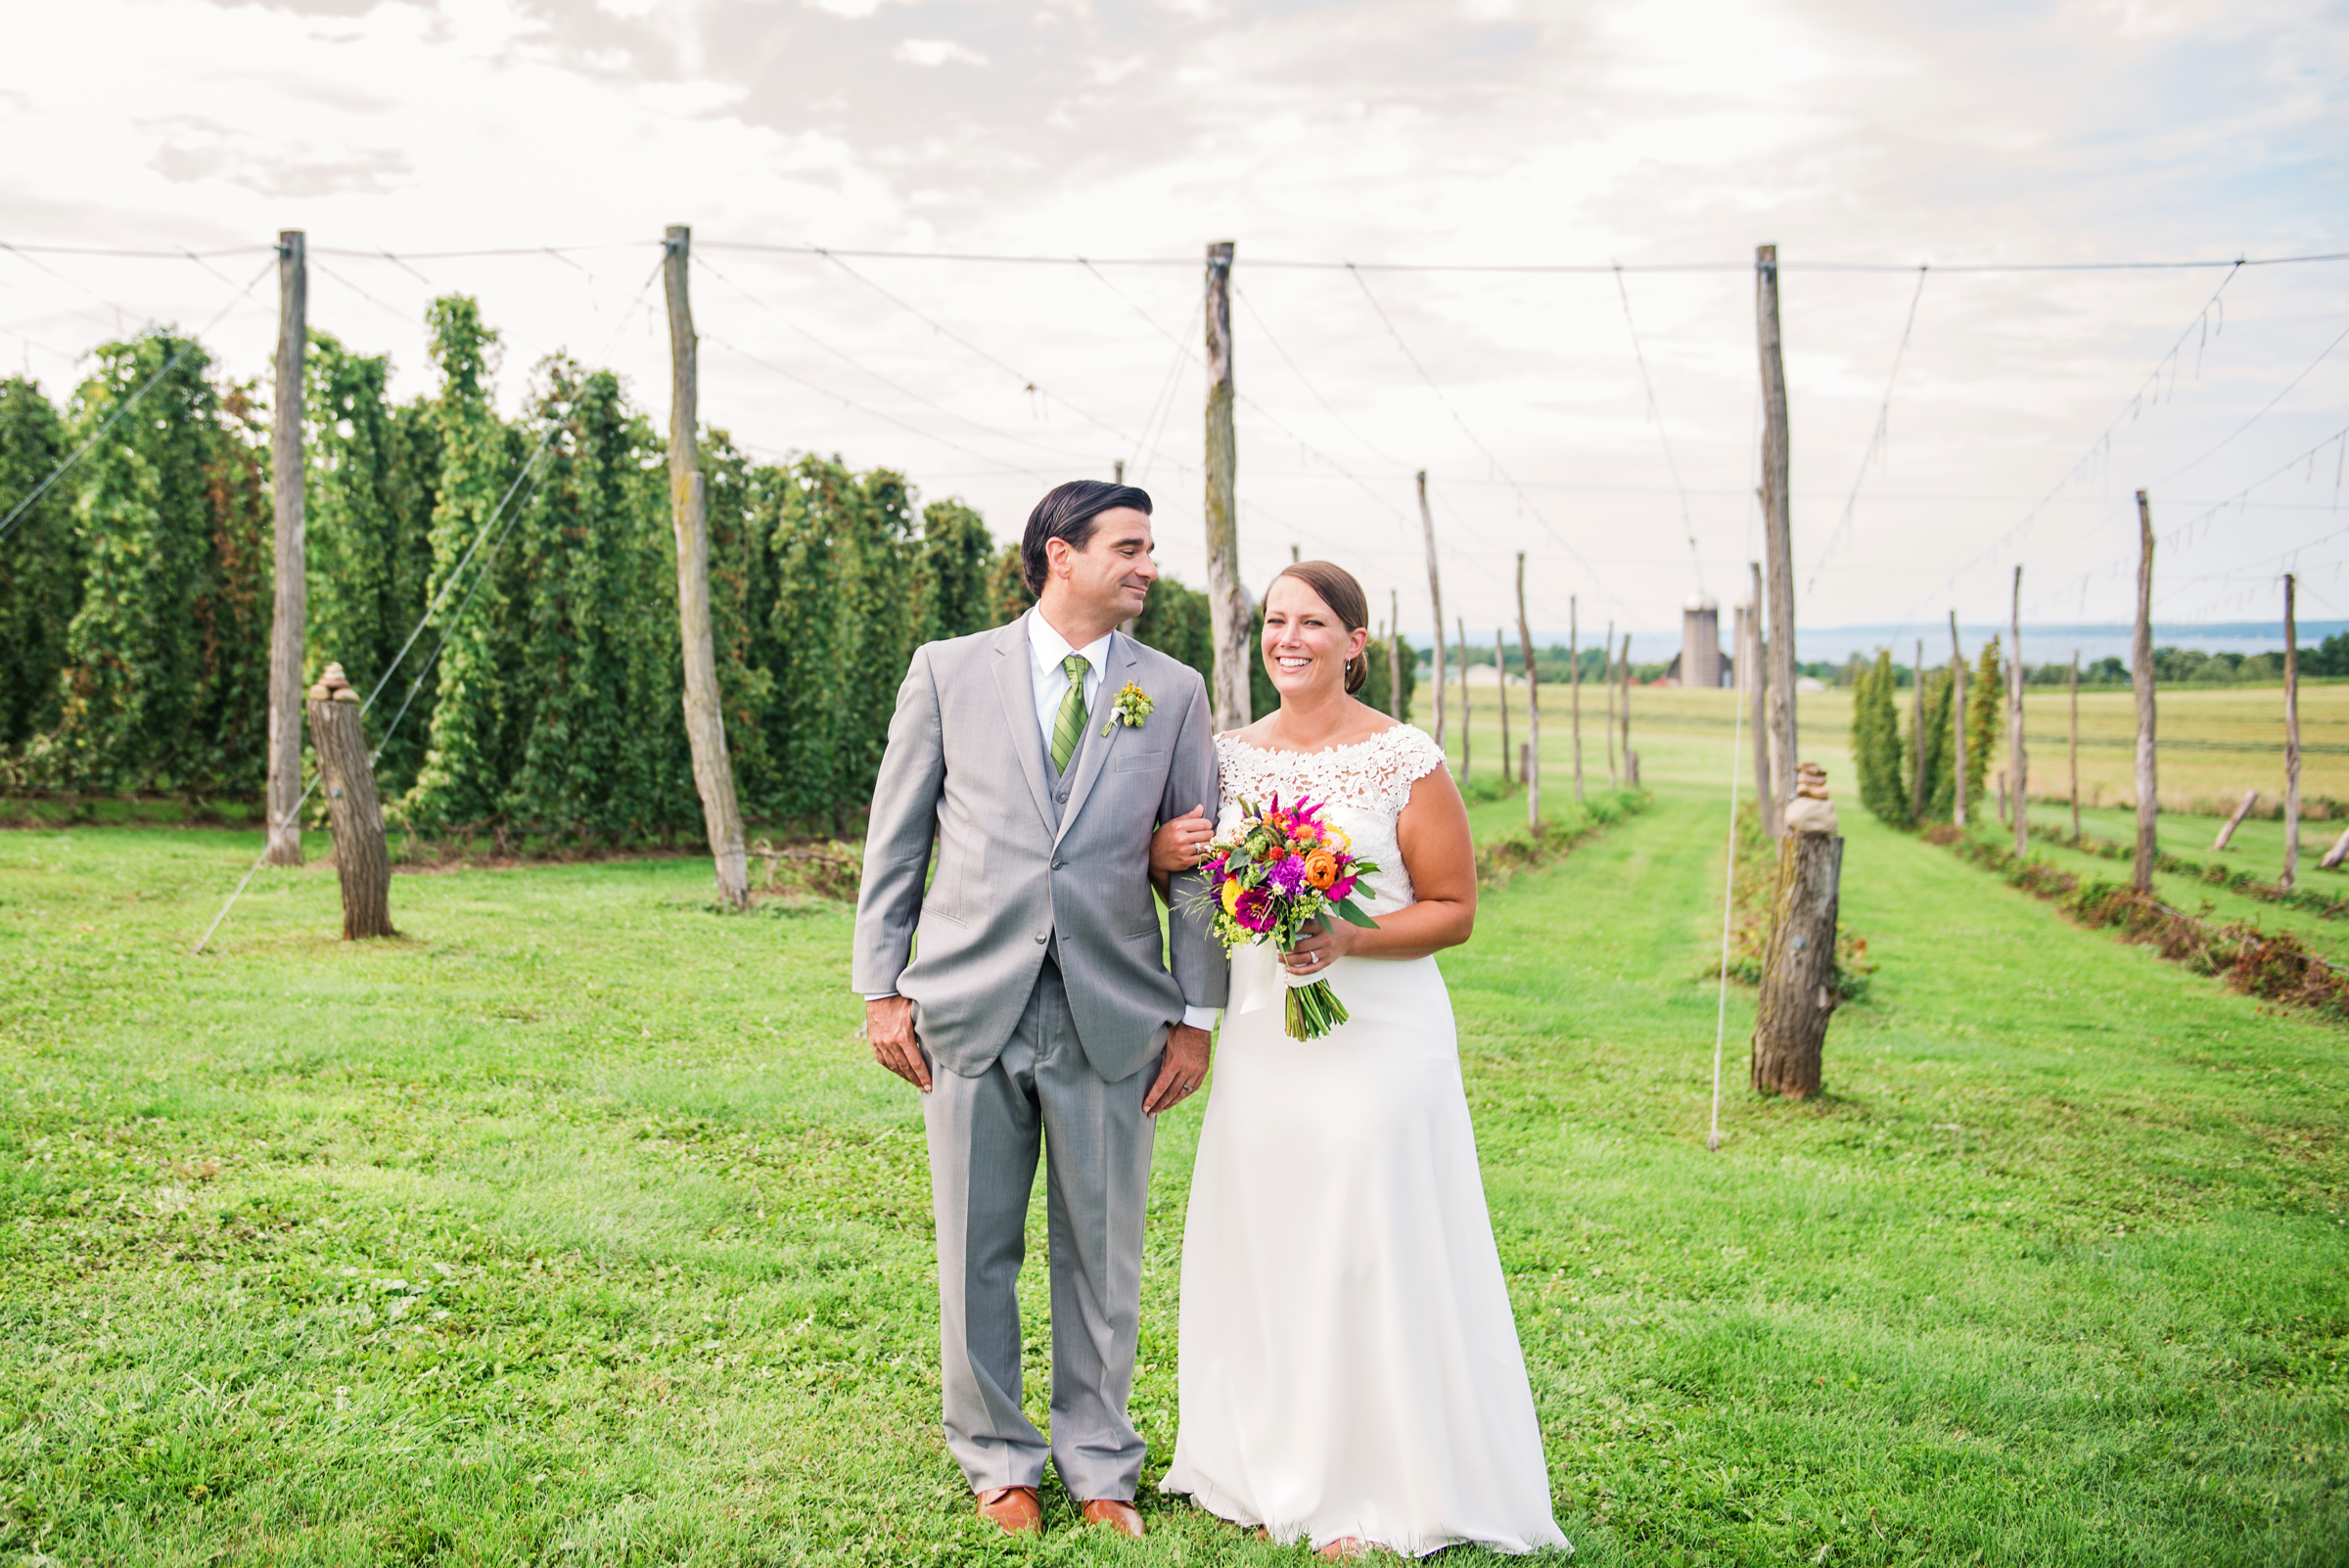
{"x": 575, "y": 1225}
{"x": 2214, "y": 743}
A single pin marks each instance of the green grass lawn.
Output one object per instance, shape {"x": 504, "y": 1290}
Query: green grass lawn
{"x": 577, "y": 1226}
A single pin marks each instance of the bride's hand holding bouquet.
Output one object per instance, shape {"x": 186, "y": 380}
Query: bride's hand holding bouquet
{"x": 1284, "y": 875}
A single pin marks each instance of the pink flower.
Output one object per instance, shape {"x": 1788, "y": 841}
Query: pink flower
{"x": 1255, "y": 909}
{"x": 1343, "y": 888}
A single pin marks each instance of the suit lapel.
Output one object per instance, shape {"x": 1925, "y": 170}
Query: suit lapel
{"x": 1014, "y": 684}
{"x": 1116, "y": 670}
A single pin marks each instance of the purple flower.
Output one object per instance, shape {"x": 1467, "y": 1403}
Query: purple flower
{"x": 1255, "y": 909}
{"x": 1287, "y": 875}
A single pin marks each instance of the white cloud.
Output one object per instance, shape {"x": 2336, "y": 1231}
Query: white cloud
{"x": 854, "y": 10}
{"x": 936, "y": 52}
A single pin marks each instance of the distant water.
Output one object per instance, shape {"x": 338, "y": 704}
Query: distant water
{"x": 2042, "y": 644}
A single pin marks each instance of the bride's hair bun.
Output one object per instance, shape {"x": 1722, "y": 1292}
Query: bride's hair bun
{"x": 1346, "y": 600}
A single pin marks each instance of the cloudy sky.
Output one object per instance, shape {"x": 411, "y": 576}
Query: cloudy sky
{"x": 1602, "y": 423}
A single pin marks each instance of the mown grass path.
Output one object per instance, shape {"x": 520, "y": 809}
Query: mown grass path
{"x": 577, "y": 1226}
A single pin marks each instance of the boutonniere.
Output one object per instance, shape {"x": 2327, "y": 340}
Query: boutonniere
{"x": 1132, "y": 707}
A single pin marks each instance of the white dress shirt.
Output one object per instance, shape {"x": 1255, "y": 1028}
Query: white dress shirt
{"x": 1046, "y": 648}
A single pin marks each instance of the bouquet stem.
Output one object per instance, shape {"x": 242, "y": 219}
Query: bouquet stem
{"x": 1312, "y": 1011}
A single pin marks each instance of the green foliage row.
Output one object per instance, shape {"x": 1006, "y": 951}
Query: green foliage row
{"x": 1892, "y": 754}
{"x": 530, "y": 560}
{"x": 135, "y": 608}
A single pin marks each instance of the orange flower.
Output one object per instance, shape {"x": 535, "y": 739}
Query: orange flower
{"x": 1321, "y": 868}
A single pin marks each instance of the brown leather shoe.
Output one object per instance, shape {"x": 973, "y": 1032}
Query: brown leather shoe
{"x": 1123, "y": 1517}
{"x": 1014, "y": 1510}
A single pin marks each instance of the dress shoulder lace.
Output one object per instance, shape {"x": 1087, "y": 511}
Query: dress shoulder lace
{"x": 1373, "y": 775}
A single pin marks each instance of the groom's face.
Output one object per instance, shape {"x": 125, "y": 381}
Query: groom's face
{"x": 1112, "y": 575}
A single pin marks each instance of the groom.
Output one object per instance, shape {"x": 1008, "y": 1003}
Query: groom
{"x": 1040, "y": 757}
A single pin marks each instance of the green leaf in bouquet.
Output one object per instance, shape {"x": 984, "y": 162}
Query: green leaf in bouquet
{"x": 1355, "y": 913}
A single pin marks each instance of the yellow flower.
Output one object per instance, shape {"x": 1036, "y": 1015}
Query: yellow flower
{"x": 1231, "y": 899}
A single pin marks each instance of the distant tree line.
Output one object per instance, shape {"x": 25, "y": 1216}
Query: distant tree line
{"x": 542, "y": 698}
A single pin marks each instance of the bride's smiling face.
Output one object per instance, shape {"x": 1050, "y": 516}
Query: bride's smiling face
{"x": 1306, "y": 645}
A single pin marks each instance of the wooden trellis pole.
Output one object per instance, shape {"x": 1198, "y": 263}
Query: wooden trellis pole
{"x": 2019, "y": 761}
{"x": 1435, "y": 594}
{"x": 1531, "y": 772}
{"x": 1573, "y": 679}
{"x": 2291, "y": 735}
{"x": 1778, "y": 522}
{"x": 1606, "y": 665}
{"x": 2140, "y": 658}
{"x": 1917, "y": 752}
{"x": 1957, "y": 720}
{"x": 1395, "y": 657}
{"x": 1462, "y": 645}
{"x": 1501, "y": 670}
{"x": 1774, "y": 810}
{"x": 2075, "y": 745}
{"x": 1631, "y": 758}
{"x": 689, "y": 510}
{"x": 289, "y": 616}
{"x": 1226, "y": 593}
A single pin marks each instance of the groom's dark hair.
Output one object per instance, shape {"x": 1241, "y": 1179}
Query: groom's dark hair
{"x": 1070, "y": 512}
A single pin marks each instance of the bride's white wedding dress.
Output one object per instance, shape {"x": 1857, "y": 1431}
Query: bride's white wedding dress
{"x": 1348, "y": 1363}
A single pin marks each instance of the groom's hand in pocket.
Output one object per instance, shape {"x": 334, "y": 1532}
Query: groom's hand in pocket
{"x": 888, "y": 1025}
{"x": 1183, "y": 1070}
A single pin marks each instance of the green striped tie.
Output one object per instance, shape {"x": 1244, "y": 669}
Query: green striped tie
{"x": 1068, "y": 727}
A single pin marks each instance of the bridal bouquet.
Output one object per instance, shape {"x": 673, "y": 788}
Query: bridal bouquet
{"x": 1278, "y": 872}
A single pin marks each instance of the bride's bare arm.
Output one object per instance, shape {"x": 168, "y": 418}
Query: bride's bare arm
{"x": 1441, "y": 858}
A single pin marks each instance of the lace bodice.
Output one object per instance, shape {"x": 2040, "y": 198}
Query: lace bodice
{"x": 1363, "y": 786}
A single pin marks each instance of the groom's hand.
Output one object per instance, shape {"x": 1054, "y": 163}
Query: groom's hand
{"x": 1182, "y": 1070}
{"x": 888, "y": 1025}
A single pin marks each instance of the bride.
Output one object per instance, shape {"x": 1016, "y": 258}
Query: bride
{"x": 1350, "y": 1368}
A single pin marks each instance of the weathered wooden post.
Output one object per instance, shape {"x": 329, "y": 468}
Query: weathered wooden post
{"x": 1435, "y": 594}
{"x": 2226, "y": 829}
{"x": 2075, "y": 745}
{"x": 1798, "y": 972}
{"x": 1917, "y": 752}
{"x": 362, "y": 862}
{"x": 1573, "y": 679}
{"x": 1226, "y": 593}
{"x": 1773, "y": 809}
{"x": 1500, "y": 671}
{"x": 2338, "y": 853}
{"x": 1777, "y": 520}
{"x": 2140, "y": 674}
{"x": 2291, "y": 736}
{"x": 1631, "y": 758}
{"x": 2018, "y": 759}
{"x": 689, "y": 513}
{"x": 1531, "y": 772}
{"x": 1606, "y": 667}
{"x": 1395, "y": 701}
{"x": 1958, "y": 718}
{"x": 1462, "y": 645}
{"x": 289, "y": 609}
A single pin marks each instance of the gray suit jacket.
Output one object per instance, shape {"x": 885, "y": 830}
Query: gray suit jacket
{"x": 1021, "y": 861}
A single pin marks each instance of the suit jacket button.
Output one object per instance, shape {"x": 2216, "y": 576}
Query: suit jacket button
{"x": 1064, "y": 797}
{"x": 1043, "y": 935}
{"x": 1058, "y": 864}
